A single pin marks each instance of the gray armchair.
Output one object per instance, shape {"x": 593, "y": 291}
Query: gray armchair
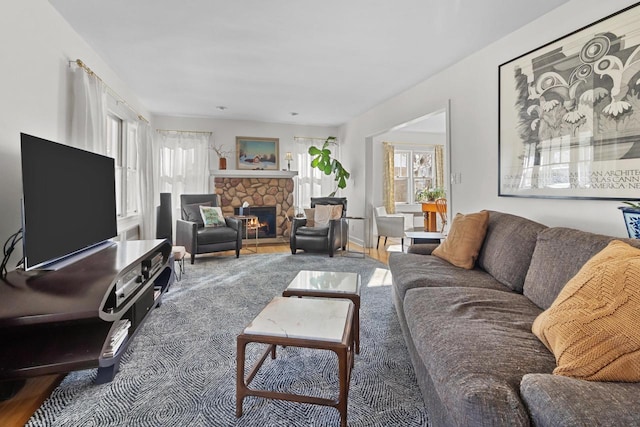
{"x": 198, "y": 239}
{"x": 324, "y": 238}
{"x": 391, "y": 225}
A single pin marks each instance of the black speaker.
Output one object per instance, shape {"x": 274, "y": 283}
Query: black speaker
{"x": 164, "y": 230}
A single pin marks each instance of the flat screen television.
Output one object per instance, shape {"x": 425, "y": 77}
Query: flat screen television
{"x": 69, "y": 202}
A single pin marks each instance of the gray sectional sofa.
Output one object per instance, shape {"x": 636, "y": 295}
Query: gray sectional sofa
{"x": 468, "y": 332}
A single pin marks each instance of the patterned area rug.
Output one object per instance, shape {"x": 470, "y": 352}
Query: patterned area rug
{"x": 180, "y": 370}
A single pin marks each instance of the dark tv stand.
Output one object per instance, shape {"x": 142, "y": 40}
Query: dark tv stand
{"x": 64, "y": 320}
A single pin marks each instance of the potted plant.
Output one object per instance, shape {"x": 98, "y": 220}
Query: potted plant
{"x": 323, "y": 160}
{"x": 631, "y": 215}
{"x": 429, "y": 194}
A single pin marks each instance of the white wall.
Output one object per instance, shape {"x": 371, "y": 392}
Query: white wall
{"x": 225, "y": 132}
{"x": 35, "y": 90}
{"x": 472, "y": 88}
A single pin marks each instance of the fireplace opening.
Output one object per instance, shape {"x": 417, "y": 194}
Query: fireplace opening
{"x": 266, "y": 221}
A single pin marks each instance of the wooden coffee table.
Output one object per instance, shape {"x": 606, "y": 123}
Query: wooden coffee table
{"x": 325, "y": 324}
{"x": 329, "y": 284}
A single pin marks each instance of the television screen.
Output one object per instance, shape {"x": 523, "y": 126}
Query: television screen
{"x": 69, "y": 201}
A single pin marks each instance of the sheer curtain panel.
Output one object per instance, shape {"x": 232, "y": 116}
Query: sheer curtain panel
{"x": 149, "y": 198}
{"x": 89, "y": 116}
{"x": 182, "y": 165}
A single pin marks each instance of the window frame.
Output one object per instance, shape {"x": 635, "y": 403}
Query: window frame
{"x": 125, "y": 153}
{"x": 409, "y": 153}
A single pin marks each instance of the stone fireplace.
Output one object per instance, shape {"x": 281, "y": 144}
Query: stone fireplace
{"x": 260, "y": 189}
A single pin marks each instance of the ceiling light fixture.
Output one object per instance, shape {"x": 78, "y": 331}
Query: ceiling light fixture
{"x": 294, "y": 114}
{"x": 221, "y": 107}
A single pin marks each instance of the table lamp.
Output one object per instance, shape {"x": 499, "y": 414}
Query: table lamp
{"x": 288, "y": 157}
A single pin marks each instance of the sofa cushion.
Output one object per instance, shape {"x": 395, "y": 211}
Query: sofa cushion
{"x": 508, "y": 247}
{"x": 558, "y": 255}
{"x": 476, "y": 345}
{"x": 211, "y": 235}
{"x": 592, "y": 326}
{"x": 415, "y": 271}
{"x": 561, "y": 401}
{"x": 466, "y": 234}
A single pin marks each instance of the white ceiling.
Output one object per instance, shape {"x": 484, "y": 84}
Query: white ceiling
{"x": 328, "y": 60}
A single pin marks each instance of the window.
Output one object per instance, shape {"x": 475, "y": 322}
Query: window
{"x": 123, "y": 147}
{"x": 413, "y": 172}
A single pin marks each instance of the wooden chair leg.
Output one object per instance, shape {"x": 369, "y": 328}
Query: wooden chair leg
{"x": 378, "y": 242}
{"x": 385, "y": 240}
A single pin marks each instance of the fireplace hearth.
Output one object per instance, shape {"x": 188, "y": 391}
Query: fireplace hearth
{"x": 266, "y": 220}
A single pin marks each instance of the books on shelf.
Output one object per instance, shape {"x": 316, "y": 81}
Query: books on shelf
{"x": 118, "y": 336}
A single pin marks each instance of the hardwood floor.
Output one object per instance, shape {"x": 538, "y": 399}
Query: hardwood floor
{"x": 17, "y": 410}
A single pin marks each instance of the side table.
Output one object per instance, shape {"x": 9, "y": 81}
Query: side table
{"x": 249, "y": 222}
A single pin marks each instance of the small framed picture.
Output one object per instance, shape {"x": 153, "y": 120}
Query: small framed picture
{"x": 257, "y": 153}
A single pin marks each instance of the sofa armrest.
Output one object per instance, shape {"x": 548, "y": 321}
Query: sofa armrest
{"x": 237, "y": 225}
{"x": 554, "y": 400}
{"x": 186, "y": 235}
{"x": 295, "y": 224}
{"x": 234, "y": 223}
{"x": 422, "y": 248}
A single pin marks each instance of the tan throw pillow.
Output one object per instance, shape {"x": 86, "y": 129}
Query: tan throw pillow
{"x": 310, "y": 214}
{"x": 462, "y": 245}
{"x": 325, "y": 213}
{"x": 592, "y": 326}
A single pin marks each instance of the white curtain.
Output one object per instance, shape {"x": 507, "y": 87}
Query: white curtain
{"x": 89, "y": 116}
{"x": 149, "y": 198}
{"x": 182, "y": 161}
{"x": 310, "y": 181}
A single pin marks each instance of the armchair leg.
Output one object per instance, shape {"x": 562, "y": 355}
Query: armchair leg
{"x": 378, "y": 242}
{"x": 385, "y": 240}
{"x": 193, "y": 258}
{"x": 237, "y": 253}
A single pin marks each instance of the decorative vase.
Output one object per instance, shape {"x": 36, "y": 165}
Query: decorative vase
{"x": 222, "y": 163}
{"x": 632, "y": 221}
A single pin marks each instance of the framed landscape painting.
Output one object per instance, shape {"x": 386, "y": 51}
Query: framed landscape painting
{"x": 257, "y": 153}
{"x": 569, "y": 115}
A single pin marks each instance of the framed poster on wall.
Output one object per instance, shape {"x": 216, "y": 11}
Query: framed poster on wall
{"x": 569, "y": 115}
{"x": 257, "y": 153}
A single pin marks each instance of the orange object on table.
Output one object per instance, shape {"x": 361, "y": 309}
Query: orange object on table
{"x": 430, "y": 213}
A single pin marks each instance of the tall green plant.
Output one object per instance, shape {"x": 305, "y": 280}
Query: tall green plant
{"x": 322, "y": 160}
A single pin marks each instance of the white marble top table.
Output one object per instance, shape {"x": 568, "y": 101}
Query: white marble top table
{"x": 302, "y": 318}
{"x": 326, "y": 281}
